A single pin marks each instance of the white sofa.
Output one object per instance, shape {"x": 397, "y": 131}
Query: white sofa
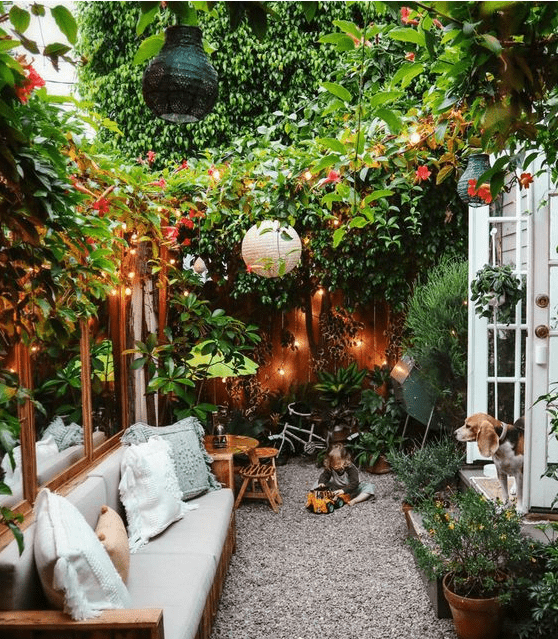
{"x": 174, "y": 582}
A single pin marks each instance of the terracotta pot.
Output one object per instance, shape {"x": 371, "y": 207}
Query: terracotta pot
{"x": 474, "y": 618}
{"x": 380, "y": 467}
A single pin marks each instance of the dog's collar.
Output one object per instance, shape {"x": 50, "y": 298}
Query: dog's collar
{"x": 504, "y": 431}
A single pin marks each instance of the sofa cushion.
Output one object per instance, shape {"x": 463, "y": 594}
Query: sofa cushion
{"x": 75, "y": 570}
{"x": 193, "y": 464}
{"x": 111, "y": 532}
{"x": 149, "y": 490}
{"x": 108, "y": 471}
{"x": 20, "y": 588}
{"x": 202, "y": 531}
{"x": 181, "y": 589}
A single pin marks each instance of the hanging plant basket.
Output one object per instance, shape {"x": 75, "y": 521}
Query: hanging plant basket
{"x": 497, "y": 287}
{"x": 271, "y": 250}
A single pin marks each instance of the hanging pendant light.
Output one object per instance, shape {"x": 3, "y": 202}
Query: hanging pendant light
{"x": 179, "y": 84}
{"x": 478, "y": 164}
{"x": 271, "y": 250}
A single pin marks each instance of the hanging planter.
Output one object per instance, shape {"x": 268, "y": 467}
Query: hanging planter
{"x": 496, "y": 287}
{"x": 179, "y": 84}
{"x": 271, "y": 250}
{"x": 467, "y": 186}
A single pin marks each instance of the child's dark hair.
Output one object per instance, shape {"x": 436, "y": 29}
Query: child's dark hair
{"x": 337, "y": 453}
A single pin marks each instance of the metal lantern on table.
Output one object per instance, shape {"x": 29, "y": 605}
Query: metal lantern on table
{"x": 478, "y": 164}
{"x": 270, "y": 249}
{"x": 179, "y": 84}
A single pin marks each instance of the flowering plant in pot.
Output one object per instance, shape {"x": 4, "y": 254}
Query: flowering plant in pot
{"x": 475, "y": 544}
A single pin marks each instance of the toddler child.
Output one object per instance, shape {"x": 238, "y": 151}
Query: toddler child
{"x": 341, "y": 476}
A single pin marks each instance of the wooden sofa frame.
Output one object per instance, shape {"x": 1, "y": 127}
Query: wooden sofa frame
{"x": 115, "y": 624}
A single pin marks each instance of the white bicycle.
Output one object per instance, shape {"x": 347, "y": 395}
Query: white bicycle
{"x": 291, "y": 434}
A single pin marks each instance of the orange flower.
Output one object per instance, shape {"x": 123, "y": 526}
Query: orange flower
{"x": 405, "y": 12}
{"x": 422, "y": 173}
{"x": 484, "y": 193}
{"x": 525, "y": 179}
{"x": 101, "y": 205}
{"x": 33, "y": 81}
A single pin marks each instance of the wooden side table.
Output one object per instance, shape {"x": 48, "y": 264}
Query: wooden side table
{"x": 223, "y": 458}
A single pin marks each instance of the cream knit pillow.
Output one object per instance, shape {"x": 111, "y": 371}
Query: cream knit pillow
{"x": 75, "y": 570}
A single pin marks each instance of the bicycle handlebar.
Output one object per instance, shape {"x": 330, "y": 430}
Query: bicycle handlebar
{"x": 292, "y": 411}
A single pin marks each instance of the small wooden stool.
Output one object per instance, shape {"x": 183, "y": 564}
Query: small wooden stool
{"x": 262, "y": 476}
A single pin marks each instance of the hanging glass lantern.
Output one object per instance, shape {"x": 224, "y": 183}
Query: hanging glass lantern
{"x": 179, "y": 84}
{"x": 271, "y": 250}
{"x": 478, "y": 164}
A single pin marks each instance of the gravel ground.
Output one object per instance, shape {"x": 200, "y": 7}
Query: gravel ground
{"x": 347, "y": 575}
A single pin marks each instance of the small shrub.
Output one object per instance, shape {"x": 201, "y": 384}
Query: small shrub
{"x": 424, "y": 472}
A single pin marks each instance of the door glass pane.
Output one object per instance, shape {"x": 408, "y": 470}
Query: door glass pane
{"x": 506, "y": 350}
{"x": 506, "y": 401}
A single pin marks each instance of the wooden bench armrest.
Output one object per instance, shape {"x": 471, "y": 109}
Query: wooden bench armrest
{"x": 141, "y": 623}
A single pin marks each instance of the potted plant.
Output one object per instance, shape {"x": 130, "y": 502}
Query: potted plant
{"x": 473, "y": 543}
{"x": 338, "y": 391}
{"x": 496, "y": 286}
{"x": 379, "y": 421}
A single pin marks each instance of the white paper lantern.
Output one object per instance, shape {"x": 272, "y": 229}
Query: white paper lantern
{"x": 271, "y": 250}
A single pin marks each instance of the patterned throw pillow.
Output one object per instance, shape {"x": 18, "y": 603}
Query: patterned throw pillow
{"x": 192, "y": 463}
{"x": 64, "y": 436}
{"x": 75, "y": 570}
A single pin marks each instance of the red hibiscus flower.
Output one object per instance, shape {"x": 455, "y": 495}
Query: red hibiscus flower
{"x": 187, "y": 222}
{"x": 422, "y": 173}
{"x": 101, "y": 205}
{"x": 525, "y": 179}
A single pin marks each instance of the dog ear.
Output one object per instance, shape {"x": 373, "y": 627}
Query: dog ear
{"x": 487, "y": 439}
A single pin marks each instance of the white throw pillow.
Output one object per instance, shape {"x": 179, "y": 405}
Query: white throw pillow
{"x": 149, "y": 490}
{"x": 75, "y": 570}
{"x": 44, "y": 450}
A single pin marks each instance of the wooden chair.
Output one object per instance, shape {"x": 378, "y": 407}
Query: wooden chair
{"x": 262, "y": 478}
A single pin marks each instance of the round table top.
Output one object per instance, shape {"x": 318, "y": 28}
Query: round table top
{"x": 236, "y": 444}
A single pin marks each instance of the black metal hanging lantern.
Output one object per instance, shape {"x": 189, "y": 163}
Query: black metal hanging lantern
{"x": 478, "y": 164}
{"x": 179, "y": 84}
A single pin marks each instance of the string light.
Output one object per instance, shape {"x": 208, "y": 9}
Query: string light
{"x": 281, "y": 370}
{"x": 414, "y": 138}
{"x": 114, "y": 292}
{"x": 131, "y": 275}
{"x": 128, "y": 290}
{"x": 307, "y": 175}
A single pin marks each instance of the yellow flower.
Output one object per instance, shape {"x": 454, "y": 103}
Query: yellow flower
{"x": 451, "y": 525}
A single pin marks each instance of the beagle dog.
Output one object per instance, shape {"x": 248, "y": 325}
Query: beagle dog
{"x": 504, "y": 443}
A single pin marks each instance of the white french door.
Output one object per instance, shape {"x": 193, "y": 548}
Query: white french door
{"x": 510, "y": 366}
